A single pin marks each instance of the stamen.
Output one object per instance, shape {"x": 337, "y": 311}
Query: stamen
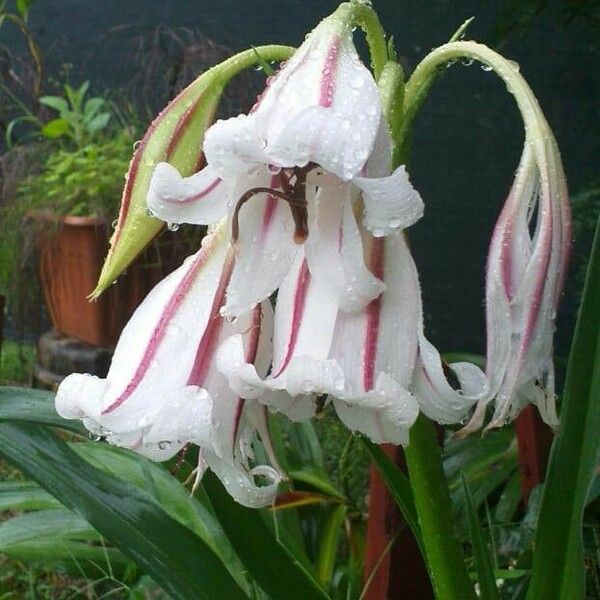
{"x": 180, "y": 459}
{"x": 293, "y": 193}
{"x": 235, "y": 225}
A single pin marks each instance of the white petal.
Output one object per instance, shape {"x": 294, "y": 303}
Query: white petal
{"x": 391, "y": 203}
{"x": 156, "y": 351}
{"x": 334, "y": 249}
{"x": 265, "y": 249}
{"x": 201, "y": 199}
{"x": 384, "y": 414}
{"x": 380, "y": 159}
{"x": 322, "y": 107}
{"x": 240, "y": 483}
{"x": 233, "y": 146}
{"x": 437, "y": 398}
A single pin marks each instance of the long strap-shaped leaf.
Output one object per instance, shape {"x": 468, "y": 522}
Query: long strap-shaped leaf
{"x": 483, "y": 563}
{"x": 558, "y": 570}
{"x": 399, "y": 487}
{"x": 34, "y": 406}
{"x": 275, "y": 570}
{"x": 167, "y": 551}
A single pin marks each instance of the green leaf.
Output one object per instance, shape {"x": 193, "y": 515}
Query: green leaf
{"x": 59, "y": 538}
{"x": 23, "y": 7}
{"x": 56, "y": 523}
{"x": 558, "y": 569}
{"x": 92, "y": 106}
{"x": 169, "y": 552}
{"x": 25, "y": 495}
{"x": 56, "y": 102}
{"x": 34, "y": 406}
{"x": 485, "y": 571}
{"x": 273, "y": 567}
{"x": 98, "y": 122}
{"x": 398, "y": 486}
{"x": 55, "y": 128}
{"x": 316, "y": 479}
{"x": 329, "y": 545}
{"x": 167, "y": 491}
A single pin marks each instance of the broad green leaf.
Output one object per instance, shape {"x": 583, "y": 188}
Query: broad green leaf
{"x": 55, "y": 523}
{"x": 25, "y": 495}
{"x": 398, "y": 486}
{"x": 329, "y": 545}
{"x": 56, "y": 102}
{"x": 59, "y": 538}
{"x": 55, "y": 128}
{"x": 175, "y": 136}
{"x": 168, "y": 492}
{"x": 180, "y": 561}
{"x": 485, "y": 571}
{"x": 92, "y": 106}
{"x": 273, "y": 567}
{"x": 558, "y": 569}
{"x": 98, "y": 122}
{"x": 34, "y": 406}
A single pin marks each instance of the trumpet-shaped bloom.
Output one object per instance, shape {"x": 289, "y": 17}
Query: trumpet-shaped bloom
{"x": 525, "y": 275}
{"x": 363, "y": 360}
{"x": 320, "y": 116}
{"x": 163, "y": 391}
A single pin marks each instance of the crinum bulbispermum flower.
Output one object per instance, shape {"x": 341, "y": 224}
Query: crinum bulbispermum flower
{"x": 524, "y": 281}
{"x": 525, "y": 272}
{"x": 163, "y": 391}
{"x": 321, "y": 113}
{"x": 292, "y": 175}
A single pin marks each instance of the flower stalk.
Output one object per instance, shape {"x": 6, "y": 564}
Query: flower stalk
{"x": 443, "y": 554}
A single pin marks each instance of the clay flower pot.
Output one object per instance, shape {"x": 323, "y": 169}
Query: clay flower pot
{"x": 72, "y": 250}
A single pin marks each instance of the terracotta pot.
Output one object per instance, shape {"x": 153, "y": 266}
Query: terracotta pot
{"x": 72, "y": 250}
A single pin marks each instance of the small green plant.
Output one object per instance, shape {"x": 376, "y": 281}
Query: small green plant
{"x": 82, "y": 182}
{"x": 79, "y": 119}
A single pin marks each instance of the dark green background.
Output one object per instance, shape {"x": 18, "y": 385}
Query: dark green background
{"x": 467, "y": 139}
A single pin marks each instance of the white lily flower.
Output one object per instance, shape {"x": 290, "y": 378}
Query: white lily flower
{"x": 163, "y": 391}
{"x": 319, "y": 116}
{"x": 363, "y": 360}
{"x": 524, "y": 280}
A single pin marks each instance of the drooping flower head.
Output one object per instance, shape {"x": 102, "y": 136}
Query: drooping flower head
{"x": 305, "y": 181}
{"x": 163, "y": 391}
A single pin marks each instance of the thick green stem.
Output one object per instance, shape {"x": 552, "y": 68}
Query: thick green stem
{"x": 391, "y": 91}
{"x": 445, "y": 559}
{"x": 425, "y": 74}
{"x": 363, "y": 16}
{"x": 444, "y": 555}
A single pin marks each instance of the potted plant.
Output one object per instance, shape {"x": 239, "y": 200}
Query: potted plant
{"x": 68, "y": 207}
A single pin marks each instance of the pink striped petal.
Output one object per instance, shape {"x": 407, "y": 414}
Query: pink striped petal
{"x": 334, "y": 248}
{"x": 201, "y": 199}
{"x": 163, "y": 390}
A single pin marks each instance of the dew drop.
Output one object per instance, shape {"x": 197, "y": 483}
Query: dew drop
{"x": 172, "y": 226}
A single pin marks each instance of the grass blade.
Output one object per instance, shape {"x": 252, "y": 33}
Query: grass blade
{"x": 558, "y": 569}
{"x": 483, "y": 564}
